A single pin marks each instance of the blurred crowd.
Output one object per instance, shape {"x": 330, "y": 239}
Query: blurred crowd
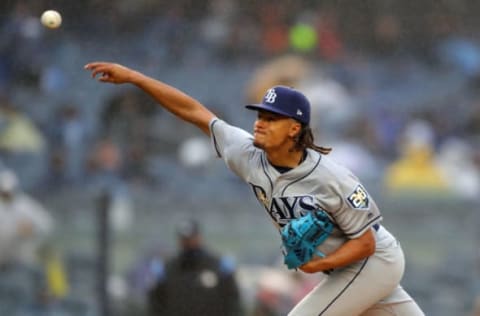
{"x": 376, "y": 74}
{"x": 395, "y": 88}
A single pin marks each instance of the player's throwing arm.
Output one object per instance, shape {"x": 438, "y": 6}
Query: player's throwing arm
{"x": 172, "y": 99}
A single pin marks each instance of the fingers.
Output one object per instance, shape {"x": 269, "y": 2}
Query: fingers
{"x": 101, "y": 68}
{"x": 109, "y": 72}
{"x": 93, "y": 65}
{"x": 97, "y": 67}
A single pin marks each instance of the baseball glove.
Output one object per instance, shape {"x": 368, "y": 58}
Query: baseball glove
{"x": 301, "y": 236}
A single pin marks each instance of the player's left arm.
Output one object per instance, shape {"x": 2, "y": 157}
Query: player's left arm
{"x": 352, "y": 251}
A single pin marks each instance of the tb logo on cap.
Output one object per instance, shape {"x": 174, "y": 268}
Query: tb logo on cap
{"x": 270, "y": 96}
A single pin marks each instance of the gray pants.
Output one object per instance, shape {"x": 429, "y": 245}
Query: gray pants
{"x": 368, "y": 288}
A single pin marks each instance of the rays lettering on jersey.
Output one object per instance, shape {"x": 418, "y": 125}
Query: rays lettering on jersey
{"x": 282, "y": 209}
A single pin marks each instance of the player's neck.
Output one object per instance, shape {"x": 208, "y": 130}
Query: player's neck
{"x": 289, "y": 159}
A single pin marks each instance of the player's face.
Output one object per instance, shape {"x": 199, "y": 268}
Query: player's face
{"x": 273, "y": 131}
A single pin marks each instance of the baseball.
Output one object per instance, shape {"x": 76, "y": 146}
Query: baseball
{"x": 51, "y": 19}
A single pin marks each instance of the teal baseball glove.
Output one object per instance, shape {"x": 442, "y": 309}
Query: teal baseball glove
{"x": 301, "y": 236}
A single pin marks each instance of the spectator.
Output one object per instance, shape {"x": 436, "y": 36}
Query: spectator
{"x": 24, "y": 228}
{"x": 273, "y": 30}
{"x": 107, "y": 168}
{"x": 195, "y": 281}
{"x": 330, "y": 42}
{"x": 128, "y": 120}
{"x": 32, "y": 274}
{"x": 455, "y": 160}
{"x": 22, "y": 144}
{"x": 21, "y": 45}
{"x": 69, "y": 138}
{"x": 106, "y": 162}
{"x": 416, "y": 171}
{"x": 355, "y": 148}
{"x": 17, "y": 132}
{"x": 287, "y": 70}
{"x": 24, "y": 223}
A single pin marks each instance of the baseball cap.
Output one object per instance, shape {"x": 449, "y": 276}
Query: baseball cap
{"x": 285, "y": 101}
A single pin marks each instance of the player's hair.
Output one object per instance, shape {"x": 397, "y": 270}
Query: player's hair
{"x": 304, "y": 140}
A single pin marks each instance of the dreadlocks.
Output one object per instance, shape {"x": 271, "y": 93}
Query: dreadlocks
{"x": 304, "y": 139}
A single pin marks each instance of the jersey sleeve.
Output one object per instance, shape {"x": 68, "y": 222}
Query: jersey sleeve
{"x": 234, "y": 145}
{"x": 356, "y": 210}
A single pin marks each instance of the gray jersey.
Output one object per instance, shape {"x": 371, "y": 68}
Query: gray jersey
{"x": 318, "y": 182}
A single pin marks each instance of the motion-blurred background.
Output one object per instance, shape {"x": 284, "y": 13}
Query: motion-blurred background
{"x": 395, "y": 87}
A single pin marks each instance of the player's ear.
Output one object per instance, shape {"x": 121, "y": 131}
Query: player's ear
{"x": 295, "y": 128}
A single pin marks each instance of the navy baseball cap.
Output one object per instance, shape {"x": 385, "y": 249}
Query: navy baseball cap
{"x": 285, "y": 101}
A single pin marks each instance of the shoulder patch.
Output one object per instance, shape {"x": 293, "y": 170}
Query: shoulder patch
{"x": 359, "y": 198}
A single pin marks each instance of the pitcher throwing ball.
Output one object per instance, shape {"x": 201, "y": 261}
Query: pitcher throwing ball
{"x": 327, "y": 220}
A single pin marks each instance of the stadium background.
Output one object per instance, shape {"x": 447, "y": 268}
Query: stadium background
{"x": 390, "y": 70}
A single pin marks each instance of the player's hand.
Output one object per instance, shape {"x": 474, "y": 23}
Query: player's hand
{"x": 110, "y": 72}
{"x": 308, "y": 268}
{"x": 313, "y": 266}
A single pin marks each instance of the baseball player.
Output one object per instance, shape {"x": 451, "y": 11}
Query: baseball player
{"x": 291, "y": 176}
